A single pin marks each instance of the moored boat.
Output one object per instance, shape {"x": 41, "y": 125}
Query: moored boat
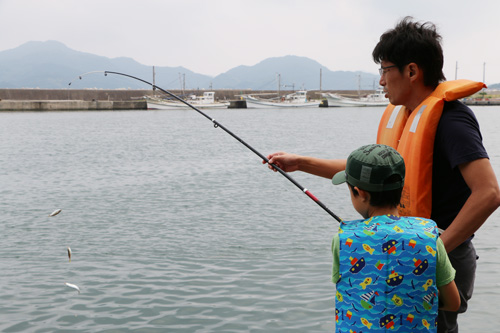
{"x": 376, "y": 99}
{"x": 206, "y": 101}
{"x": 295, "y": 100}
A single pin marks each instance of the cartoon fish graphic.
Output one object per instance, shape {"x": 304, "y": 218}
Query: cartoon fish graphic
{"x": 366, "y": 282}
{"x": 389, "y": 246}
{"x": 398, "y": 301}
{"x": 368, "y": 248}
{"x": 422, "y": 221}
{"x": 430, "y": 250}
{"x": 365, "y": 322}
{"x": 427, "y": 284}
{"x": 398, "y": 229}
{"x": 339, "y": 296}
{"x": 426, "y": 323}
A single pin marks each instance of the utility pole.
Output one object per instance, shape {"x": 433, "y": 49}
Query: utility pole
{"x": 154, "y": 84}
{"x": 320, "y": 78}
{"x": 484, "y": 72}
{"x": 279, "y": 84}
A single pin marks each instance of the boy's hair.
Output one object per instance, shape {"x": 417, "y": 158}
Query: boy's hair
{"x": 413, "y": 42}
{"x": 391, "y": 198}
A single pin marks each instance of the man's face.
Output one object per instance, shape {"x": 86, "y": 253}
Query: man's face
{"x": 395, "y": 83}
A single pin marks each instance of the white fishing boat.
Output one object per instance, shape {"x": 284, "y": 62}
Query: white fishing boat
{"x": 295, "y": 100}
{"x": 206, "y": 101}
{"x": 376, "y": 99}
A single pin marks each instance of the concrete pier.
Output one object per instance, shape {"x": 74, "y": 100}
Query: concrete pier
{"x": 10, "y": 105}
{"x": 109, "y": 99}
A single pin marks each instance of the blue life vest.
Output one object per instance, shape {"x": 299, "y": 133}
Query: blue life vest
{"x": 387, "y": 274}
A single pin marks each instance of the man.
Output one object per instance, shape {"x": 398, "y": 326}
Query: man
{"x": 464, "y": 187}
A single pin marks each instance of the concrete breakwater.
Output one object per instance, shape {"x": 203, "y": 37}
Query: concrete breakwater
{"x": 109, "y": 99}
{"x": 71, "y": 99}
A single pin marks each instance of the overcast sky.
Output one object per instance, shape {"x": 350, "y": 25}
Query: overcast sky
{"x": 213, "y": 36}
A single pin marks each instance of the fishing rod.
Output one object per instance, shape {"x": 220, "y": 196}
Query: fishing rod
{"x": 219, "y": 125}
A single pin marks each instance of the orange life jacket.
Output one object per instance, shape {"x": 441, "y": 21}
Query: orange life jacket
{"x": 413, "y": 134}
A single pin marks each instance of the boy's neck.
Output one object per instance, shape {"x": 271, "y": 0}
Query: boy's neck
{"x": 378, "y": 211}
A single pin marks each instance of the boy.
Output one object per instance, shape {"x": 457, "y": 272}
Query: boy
{"x": 388, "y": 269}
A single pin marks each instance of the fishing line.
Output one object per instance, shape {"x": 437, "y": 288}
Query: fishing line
{"x": 219, "y": 125}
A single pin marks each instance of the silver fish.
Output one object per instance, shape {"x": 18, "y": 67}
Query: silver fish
{"x": 54, "y": 213}
{"x": 74, "y": 286}
{"x": 69, "y": 253}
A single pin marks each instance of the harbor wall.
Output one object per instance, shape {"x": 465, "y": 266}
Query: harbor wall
{"x": 109, "y": 99}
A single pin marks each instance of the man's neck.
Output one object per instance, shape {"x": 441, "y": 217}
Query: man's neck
{"x": 419, "y": 94}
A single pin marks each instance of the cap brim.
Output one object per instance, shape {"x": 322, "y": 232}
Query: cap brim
{"x": 339, "y": 178}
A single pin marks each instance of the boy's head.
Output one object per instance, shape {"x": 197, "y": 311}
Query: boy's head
{"x": 376, "y": 169}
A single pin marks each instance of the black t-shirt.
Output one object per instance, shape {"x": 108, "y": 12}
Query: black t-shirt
{"x": 458, "y": 140}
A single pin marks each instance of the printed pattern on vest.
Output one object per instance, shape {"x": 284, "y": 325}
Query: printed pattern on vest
{"x": 387, "y": 275}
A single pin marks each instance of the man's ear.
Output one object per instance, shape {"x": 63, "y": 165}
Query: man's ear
{"x": 413, "y": 70}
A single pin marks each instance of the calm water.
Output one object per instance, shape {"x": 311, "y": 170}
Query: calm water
{"x": 177, "y": 227}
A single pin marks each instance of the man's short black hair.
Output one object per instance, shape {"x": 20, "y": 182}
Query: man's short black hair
{"x": 414, "y": 42}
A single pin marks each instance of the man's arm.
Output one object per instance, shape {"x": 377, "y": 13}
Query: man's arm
{"x": 316, "y": 166}
{"x": 483, "y": 201}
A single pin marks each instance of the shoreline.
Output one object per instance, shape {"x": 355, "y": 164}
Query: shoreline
{"x": 30, "y": 99}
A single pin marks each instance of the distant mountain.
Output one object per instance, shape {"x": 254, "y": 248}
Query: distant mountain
{"x": 294, "y": 73}
{"x": 52, "y": 65}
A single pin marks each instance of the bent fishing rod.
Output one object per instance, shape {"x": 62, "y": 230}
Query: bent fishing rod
{"x": 219, "y": 125}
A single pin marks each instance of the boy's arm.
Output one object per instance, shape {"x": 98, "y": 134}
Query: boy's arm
{"x": 336, "y": 258}
{"x": 449, "y": 299}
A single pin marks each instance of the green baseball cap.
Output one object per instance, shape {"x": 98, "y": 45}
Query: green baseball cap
{"x": 369, "y": 166}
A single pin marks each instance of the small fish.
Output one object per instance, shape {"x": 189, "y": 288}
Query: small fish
{"x": 366, "y": 282}
{"x": 398, "y": 229}
{"x": 54, "y": 213}
{"x": 427, "y": 284}
{"x": 69, "y": 253}
{"x": 430, "y": 250}
{"x": 365, "y": 322}
{"x": 339, "y": 296}
{"x": 398, "y": 301}
{"x": 368, "y": 248}
{"x": 426, "y": 323}
{"x": 72, "y": 286}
